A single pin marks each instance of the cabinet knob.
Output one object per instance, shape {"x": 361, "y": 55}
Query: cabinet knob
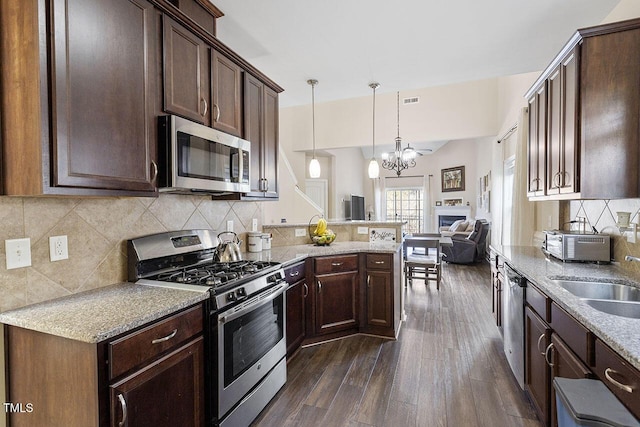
{"x": 337, "y": 264}
{"x": 319, "y": 286}
{"x": 154, "y": 168}
{"x": 306, "y": 290}
{"x": 368, "y": 280}
{"x": 623, "y": 387}
{"x": 167, "y": 338}
{"x": 205, "y": 108}
{"x": 546, "y": 355}
{"x": 538, "y": 345}
{"x": 123, "y": 405}
{"x": 378, "y": 262}
{"x": 217, "y": 110}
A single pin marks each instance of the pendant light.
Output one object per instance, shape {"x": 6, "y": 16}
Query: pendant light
{"x": 399, "y": 159}
{"x": 314, "y": 165}
{"x": 374, "y": 168}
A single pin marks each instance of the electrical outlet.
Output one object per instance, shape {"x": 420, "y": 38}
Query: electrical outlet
{"x": 363, "y": 230}
{"x": 632, "y": 235}
{"x": 58, "y": 248}
{"x": 230, "y": 225}
{"x": 18, "y": 253}
{"x": 254, "y": 224}
{"x": 301, "y": 232}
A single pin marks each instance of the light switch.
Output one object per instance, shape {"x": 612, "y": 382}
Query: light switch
{"x": 18, "y": 253}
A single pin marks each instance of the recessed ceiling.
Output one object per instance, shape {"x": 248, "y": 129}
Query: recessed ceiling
{"x": 346, "y": 44}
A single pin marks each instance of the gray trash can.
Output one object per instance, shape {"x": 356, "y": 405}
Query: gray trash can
{"x": 585, "y": 402}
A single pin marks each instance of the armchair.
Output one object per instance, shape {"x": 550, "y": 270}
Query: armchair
{"x": 467, "y": 250}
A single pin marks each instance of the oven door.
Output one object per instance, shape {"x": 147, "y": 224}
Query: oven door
{"x": 251, "y": 342}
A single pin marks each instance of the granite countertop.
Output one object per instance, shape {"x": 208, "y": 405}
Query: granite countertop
{"x": 338, "y": 222}
{"x": 102, "y": 313}
{"x": 288, "y": 255}
{"x": 621, "y": 333}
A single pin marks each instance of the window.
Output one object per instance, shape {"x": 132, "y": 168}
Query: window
{"x": 406, "y": 204}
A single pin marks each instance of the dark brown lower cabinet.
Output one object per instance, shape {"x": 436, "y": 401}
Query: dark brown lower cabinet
{"x": 379, "y": 299}
{"x": 537, "y": 375}
{"x": 336, "y": 302}
{"x": 622, "y": 379}
{"x": 153, "y": 376}
{"x": 564, "y": 364}
{"x": 169, "y": 392}
{"x": 296, "y": 301}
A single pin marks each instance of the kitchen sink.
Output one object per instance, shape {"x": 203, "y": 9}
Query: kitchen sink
{"x": 617, "y": 308}
{"x": 601, "y": 290}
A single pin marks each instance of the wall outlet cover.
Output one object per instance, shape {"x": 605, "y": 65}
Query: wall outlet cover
{"x": 18, "y": 253}
{"x": 58, "y": 248}
{"x": 363, "y": 230}
{"x": 230, "y": 225}
{"x": 254, "y": 224}
{"x": 301, "y": 232}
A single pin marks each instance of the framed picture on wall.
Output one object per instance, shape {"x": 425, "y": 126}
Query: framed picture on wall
{"x": 453, "y": 179}
{"x": 453, "y": 202}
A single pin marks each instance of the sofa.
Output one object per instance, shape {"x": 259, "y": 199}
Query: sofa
{"x": 459, "y": 227}
{"x": 468, "y": 249}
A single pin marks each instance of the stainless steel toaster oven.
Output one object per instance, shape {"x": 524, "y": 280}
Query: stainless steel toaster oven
{"x": 577, "y": 246}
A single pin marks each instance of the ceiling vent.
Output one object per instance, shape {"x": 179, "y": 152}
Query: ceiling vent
{"x": 413, "y": 100}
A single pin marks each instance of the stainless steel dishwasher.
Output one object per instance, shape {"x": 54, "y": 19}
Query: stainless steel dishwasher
{"x": 513, "y": 321}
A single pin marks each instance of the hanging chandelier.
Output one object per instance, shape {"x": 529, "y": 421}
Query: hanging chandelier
{"x": 399, "y": 159}
{"x": 314, "y": 165}
{"x": 374, "y": 169}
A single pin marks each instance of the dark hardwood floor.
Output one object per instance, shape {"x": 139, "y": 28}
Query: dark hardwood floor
{"x": 447, "y": 368}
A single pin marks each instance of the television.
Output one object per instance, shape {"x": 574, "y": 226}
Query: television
{"x": 354, "y": 208}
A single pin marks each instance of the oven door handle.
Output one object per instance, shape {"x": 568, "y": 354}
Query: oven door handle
{"x": 275, "y": 292}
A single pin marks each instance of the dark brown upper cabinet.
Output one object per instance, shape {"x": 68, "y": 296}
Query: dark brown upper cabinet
{"x": 187, "y": 87}
{"x": 227, "y": 94}
{"x": 80, "y": 90}
{"x": 589, "y": 123}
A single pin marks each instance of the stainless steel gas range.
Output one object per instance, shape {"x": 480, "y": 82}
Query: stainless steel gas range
{"x": 246, "y": 348}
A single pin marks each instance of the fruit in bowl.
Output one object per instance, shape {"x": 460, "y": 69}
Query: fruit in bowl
{"x": 323, "y": 236}
{"x": 324, "y": 239}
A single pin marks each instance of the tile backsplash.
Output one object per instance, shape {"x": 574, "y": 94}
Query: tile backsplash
{"x": 97, "y": 230}
{"x": 602, "y": 214}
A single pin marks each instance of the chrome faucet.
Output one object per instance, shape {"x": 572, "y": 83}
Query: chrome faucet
{"x": 631, "y": 258}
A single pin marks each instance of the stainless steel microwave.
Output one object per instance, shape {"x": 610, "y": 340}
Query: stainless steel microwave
{"x": 195, "y": 158}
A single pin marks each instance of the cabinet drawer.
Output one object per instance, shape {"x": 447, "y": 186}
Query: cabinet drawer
{"x": 336, "y": 264}
{"x": 294, "y": 273}
{"x": 134, "y": 349}
{"x": 621, "y": 378}
{"x": 379, "y": 262}
{"x": 538, "y": 301}
{"x": 572, "y": 332}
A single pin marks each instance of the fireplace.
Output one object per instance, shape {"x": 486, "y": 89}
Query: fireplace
{"x": 447, "y": 220}
{"x": 444, "y": 216}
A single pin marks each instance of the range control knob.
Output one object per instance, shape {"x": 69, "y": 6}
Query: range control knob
{"x": 231, "y": 297}
{"x": 240, "y": 293}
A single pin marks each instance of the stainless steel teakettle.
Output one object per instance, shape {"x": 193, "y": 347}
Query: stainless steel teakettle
{"x": 229, "y": 250}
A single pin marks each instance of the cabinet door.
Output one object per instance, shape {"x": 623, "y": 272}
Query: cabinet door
{"x": 569, "y": 155}
{"x": 104, "y": 92}
{"x": 379, "y": 299}
{"x": 336, "y": 302}
{"x": 253, "y": 131}
{"x": 564, "y": 364}
{"x": 554, "y": 131}
{"x": 167, "y": 393}
{"x": 296, "y": 331}
{"x": 537, "y": 376}
{"x": 537, "y": 142}
{"x": 270, "y": 143}
{"x": 619, "y": 376}
{"x": 186, "y": 73}
{"x": 261, "y": 129}
{"x": 226, "y": 94}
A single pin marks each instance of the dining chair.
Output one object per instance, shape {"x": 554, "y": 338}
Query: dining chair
{"x": 421, "y": 260}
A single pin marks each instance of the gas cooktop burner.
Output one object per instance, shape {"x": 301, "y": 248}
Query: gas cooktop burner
{"x": 215, "y": 274}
